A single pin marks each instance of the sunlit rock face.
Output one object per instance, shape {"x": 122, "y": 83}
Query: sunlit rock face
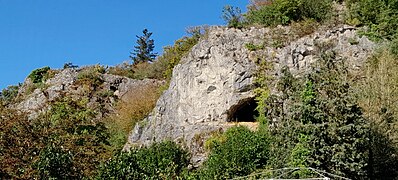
{"x": 213, "y": 85}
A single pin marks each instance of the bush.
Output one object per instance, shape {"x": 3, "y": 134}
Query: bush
{"x": 8, "y": 94}
{"x": 19, "y": 145}
{"x": 65, "y": 141}
{"x": 239, "y": 152}
{"x": 70, "y": 65}
{"x": 164, "y": 160}
{"x": 379, "y": 16}
{"x": 283, "y": 12}
{"x": 39, "y": 75}
{"x": 233, "y": 16}
{"x": 69, "y": 124}
{"x": 322, "y": 107}
{"x": 55, "y": 163}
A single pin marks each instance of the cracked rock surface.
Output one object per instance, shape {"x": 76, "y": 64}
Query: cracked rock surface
{"x": 217, "y": 76}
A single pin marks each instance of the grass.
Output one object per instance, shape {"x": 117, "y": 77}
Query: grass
{"x": 134, "y": 107}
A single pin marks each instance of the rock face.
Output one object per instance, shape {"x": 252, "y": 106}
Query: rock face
{"x": 214, "y": 83}
{"x": 64, "y": 84}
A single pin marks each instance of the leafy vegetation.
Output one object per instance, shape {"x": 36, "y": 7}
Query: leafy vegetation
{"x": 70, "y": 65}
{"x": 380, "y": 17}
{"x": 164, "y": 160}
{"x": 63, "y": 142}
{"x": 226, "y": 160}
{"x": 39, "y": 75}
{"x": 326, "y": 112}
{"x": 328, "y": 118}
{"x": 283, "y": 12}
{"x": 233, "y": 16}
{"x": 9, "y": 94}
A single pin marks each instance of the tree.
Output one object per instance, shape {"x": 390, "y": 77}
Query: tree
{"x": 143, "y": 52}
{"x": 233, "y": 16}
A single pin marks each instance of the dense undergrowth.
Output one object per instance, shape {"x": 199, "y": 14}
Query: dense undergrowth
{"x": 329, "y": 119}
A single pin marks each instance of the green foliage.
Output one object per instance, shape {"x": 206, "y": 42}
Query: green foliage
{"x": 262, "y": 91}
{"x": 65, "y": 137}
{"x": 39, "y": 75}
{"x": 69, "y": 124}
{"x": 323, "y": 109}
{"x": 380, "y": 16}
{"x": 394, "y": 47}
{"x": 299, "y": 157}
{"x": 70, "y": 65}
{"x": 253, "y": 47}
{"x": 143, "y": 52}
{"x": 233, "y": 16}
{"x": 19, "y": 145}
{"x": 164, "y": 160}
{"x": 8, "y": 94}
{"x": 283, "y": 12}
{"x": 55, "y": 163}
{"x": 238, "y": 153}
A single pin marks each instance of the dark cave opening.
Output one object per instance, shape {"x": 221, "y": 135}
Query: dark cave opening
{"x": 244, "y": 111}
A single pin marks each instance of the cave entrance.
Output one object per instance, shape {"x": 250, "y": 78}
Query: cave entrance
{"x": 244, "y": 111}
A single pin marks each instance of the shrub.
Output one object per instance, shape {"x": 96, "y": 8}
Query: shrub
{"x": 394, "y": 47}
{"x": 173, "y": 54}
{"x": 145, "y": 70}
{"x": 19, "y": 145}
{"x": 283, "y": 12}
{"x": 165, "y": 160}
{"x": 69, "y": 124}
{"x": 239, "y": 153}
{"x": 9, "y": 94}
{"x": 39, "y": 75}
{"x": 55, "y": 163}
{"x": 65, "y": 141}
{"x": 70, "y": 65}
{"x": 233, "y": 16}
{"x": 323, "y": 108}
{"x": 379, "y": 16}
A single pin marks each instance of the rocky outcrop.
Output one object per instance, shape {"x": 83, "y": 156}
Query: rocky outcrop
{"x": 213, "y": 85}
{"x": 300, "y": 54}
{"x": 64, "y": 84}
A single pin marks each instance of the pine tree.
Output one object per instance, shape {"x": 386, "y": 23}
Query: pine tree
{"x": 143, "y": 52}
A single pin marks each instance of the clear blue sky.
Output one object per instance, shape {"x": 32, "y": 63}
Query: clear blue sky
{"x": 37, "y": 33}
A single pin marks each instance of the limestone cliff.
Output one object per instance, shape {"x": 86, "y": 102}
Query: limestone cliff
{"x": 213, "y": 85}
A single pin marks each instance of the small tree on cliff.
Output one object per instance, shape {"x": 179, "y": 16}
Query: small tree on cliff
{"x": 143, "y": 52}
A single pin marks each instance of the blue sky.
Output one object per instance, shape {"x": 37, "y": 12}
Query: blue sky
{"x": 37, "y": 33}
